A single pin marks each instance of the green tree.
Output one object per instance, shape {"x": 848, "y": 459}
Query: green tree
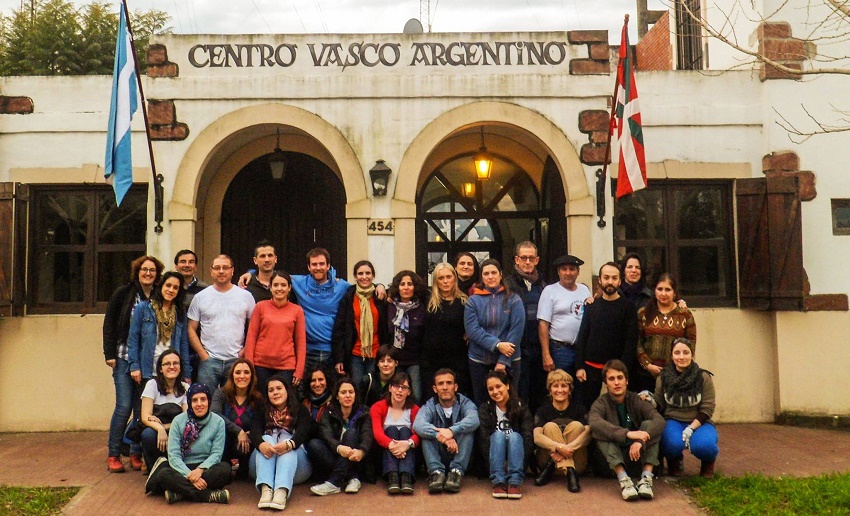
{"x": 53, "y": 37}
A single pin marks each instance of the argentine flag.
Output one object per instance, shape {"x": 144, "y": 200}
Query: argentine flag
{"x": 119, "y": 163}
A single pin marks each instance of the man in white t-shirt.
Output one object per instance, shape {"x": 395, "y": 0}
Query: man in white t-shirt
{"x": 559, "y": 312}
{"x": 218, "y": 317}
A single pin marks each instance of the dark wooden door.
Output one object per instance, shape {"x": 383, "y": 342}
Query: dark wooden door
{"x": 304, "y": 210}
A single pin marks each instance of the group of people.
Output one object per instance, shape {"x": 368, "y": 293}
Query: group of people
{"x": 309, "y": 376}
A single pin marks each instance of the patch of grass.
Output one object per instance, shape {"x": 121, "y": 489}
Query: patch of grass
{"x": 759, "y": 495}
{"x": 34, "y": 501}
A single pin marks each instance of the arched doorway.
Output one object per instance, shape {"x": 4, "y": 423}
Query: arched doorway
{"x": 489, "y": 217}
{"x": 303, "y": 210}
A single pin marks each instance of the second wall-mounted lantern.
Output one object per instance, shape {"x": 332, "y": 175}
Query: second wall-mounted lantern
{"x": 380, "y": 177}
{"x": 277, "y": 161}
{"x": 483, "y": 161}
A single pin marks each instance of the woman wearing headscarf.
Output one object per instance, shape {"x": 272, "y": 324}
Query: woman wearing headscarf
{"x": 194, "y": 470}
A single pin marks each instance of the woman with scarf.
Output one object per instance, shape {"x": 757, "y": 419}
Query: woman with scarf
{"x": 194, "y": 470}
{"x": 163, "y": 399}
{"x": 468, "y": 271}
{"x": 360, "y": 327}
{"x": 158, "y": 325}
{"x": 494, "y": 319}
{"x": 237, "y": 402}
{"x": 633, "y": 287}
{"x": 278, "y": 433}
{"x": 144, "y": 274}
{"x": 684, "y": 395}
{"x": 276, "y": 342}
{"x": 317, "y": 402}
{"x": 346, "y": 430}
{"x": 444, "y": 340}
{"x": 406, "y": 317}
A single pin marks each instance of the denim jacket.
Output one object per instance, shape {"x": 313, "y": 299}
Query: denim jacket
{"x": 141, "y": 341}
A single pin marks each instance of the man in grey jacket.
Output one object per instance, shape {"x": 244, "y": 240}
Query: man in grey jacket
{"x": 446, "y": 423}
{"x": 627, "y": 430}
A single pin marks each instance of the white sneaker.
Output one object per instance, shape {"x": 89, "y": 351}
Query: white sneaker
{"x": 279, "y": 500}
{"x": 265, "y": 497}
{"x": 629, "y": 491}
{"x": 644, "y": 487}
{"x": 353, "y": 486}
{"x": 324, "y": 489}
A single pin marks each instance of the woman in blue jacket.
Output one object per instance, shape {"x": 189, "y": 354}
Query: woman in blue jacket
{"x": 157, "y": 325}
{"x": 494, "y": 319}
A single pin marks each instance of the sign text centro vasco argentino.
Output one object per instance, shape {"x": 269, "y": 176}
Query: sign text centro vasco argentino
{"x": 458, "y": 53}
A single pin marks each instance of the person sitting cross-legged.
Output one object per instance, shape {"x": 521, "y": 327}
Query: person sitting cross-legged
{"x": 446, "y": 424}
{"x": 627, "y": 430}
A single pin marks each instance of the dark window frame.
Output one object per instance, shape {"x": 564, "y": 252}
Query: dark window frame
{"x": 90, "y": 249}
{"x": 672, "y": 244}
{"x": 689, "y": 37}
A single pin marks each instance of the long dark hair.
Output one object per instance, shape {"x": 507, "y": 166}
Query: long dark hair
{"x": 514, "y": 407}
{"x": 161, "y": 384}
{"x": 398, "y": 379}
{"x": 292, "y": 402}
{"x": 476, "y": 272}
{"x": 494, "y": 262}
{"x": 254, "y": 397}
{"x": 652, "y": 307}
{"x": 337, "y": 386}
{"x": 420, "y": 289}
{"x": 156, "y": 295}
{"x": 625, "y": 261}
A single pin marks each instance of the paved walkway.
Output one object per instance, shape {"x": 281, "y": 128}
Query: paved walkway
{"x": 78, "y": 459}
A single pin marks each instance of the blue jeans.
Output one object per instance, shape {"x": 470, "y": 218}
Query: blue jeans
{"x": 564, "y": 358}
{"x": 281, "y": 470}
{"x": 212, "y": 372}
{"x": 316, "y": 358}
{"x": 149, "y": 448}
{"x": 360, "y": 367}
{"x": 703, "y": 441}
{"x": 393, "y": 463}
{"x": 437, "y": 458}
{"x": 478, "y": 373}
{"x": 126, "y": 393}
{"x": 264, "y": 373}
{"x": 507, "y": 447}
{"x": 413, "y": 372}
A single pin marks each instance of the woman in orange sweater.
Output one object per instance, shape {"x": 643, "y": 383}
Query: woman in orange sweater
{"x": 277, "y": 337}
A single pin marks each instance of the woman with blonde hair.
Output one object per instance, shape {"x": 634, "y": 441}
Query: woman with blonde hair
{"x": 444, "y": 341}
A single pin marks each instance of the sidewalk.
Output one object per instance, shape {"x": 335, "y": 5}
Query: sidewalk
{"x": 78, "y": 459}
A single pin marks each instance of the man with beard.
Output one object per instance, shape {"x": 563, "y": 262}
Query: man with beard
{"x": 608, "y": 331}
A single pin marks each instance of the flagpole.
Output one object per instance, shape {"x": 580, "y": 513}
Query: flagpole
{"x": 602, "y": 175}
{"x": 157, "y": 178}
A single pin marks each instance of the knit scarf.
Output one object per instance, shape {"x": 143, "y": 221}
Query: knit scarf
{"x": 530, "y": 278}
{"x": 165, "y": 320}
{"x": 683, "y": 389}
{"x": 278, "y": 419}
{"x": 194, "y": 424}
{"x": 401, "y": 321}
{"x": 367, "y": 323}
{"x": 631, "y": 291}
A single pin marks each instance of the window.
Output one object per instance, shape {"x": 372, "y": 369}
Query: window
{"x": 81, "y": 245}
{"x": 688, "y": 35}
{"x": 683, "y": 227}
{"x": 841, "y": 216}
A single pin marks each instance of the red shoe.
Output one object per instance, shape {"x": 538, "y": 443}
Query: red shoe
{"x": 114, "y": 465}
{"x": 514, "y": 492}
{"x": 136, "y": 461}
{"x": 499, "y": 491}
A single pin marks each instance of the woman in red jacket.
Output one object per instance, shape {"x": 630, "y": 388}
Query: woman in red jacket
{"x": 392, "y": 425}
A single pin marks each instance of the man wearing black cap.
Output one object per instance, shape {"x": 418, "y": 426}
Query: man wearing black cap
{"x": 560, "y": 311}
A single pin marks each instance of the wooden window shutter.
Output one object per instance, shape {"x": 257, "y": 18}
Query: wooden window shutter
{"x": 770, "y": 243}
{"x": 13, "y": 231}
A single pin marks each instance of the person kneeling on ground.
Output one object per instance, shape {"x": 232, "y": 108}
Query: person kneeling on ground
{"x": 346, "y": 430}
{"x": 505, "y": 435}
{"x": 627, "y": 430}
{"x": 392, "y": 425}
{"x": 277, "y": 433}
{"x": 194, "y": 469}
{"x": 446, "y": 423}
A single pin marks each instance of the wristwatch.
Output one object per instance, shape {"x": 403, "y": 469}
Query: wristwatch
{"x": 412, "y": 443}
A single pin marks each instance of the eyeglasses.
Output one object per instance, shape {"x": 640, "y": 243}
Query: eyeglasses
{"x": 221, "y": 267}
{"x": 402, "y": 388}
{"x": 171, "y": 364}
{"x": 527, "y": 258}
{"x": 148, "y": 270}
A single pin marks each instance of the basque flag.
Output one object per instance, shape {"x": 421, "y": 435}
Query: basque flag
{"x": 119, "y": 165}
{"x": 631, "y": 176}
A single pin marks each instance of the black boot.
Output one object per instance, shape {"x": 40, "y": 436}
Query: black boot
{"x": 546, "y": 474}
{"x": 572, "y": 481}
{"x": 392, "y": 483}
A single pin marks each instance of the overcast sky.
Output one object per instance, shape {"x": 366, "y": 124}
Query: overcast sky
{"x": 369, "y": 16}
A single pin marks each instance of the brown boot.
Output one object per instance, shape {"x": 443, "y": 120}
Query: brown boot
{"x": 675, "y": 467}
{"x": 706, "y": 470}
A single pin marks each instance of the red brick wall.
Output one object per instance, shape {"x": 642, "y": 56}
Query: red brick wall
{"x": 654, "y": 51}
